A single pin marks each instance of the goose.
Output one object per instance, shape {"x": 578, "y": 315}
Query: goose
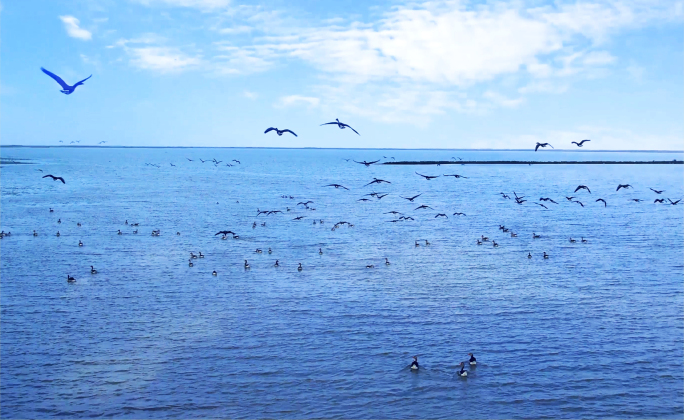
{"x": 258, "y": 251}
{"x": 214, "y": 273}
{"x": 51, "y": 210}
{"x": 126, "y": 222}
{"x": 80, "y": 243}
{"x": 300, "y": 267}
{"x": 370, "y": 266}
{"x": 135, "y": 231}
{"x": 190, "y": 264}
{"x": 414, "y": 364}
{"x": 118, "y": 232}
{"x": 514, "y": 235}
{"x": 35, "y": 233}
{"x": 78, "y": 224}
{"x": 193, "y": 256}
{"x": 387, "y": 261}
{"x": 478, "y": 242}
{"x": 529, "y": 255}
{"x": 427, "y": 243}
{"x": 246, "y": 265}
{"x": 276, "y": 264}
{"x": 572, "y": 241}
{"x": 546, "y": 256}
{"x": 494, "y": 244}
{"x": 584, "y": 241}
{"x": 269, "y": 251}
{"x": 59, "y": 221}
{"x": 93, "y": 270}
{"x": 417, "y": 244}
{"x": 535, "y": 236}
{"x": 57, "y": 233}
{"x": 320, "y": 251}
{"x": 484, "y": 238}
{"x": 70, "y": 279}
{"x": 201, "y": 255}
{"x": 177, "y": 233}
{"x": 472, "y": 359}
{"x": 66, "y": 89}
{"x": 224, "y": 237}
{"x": 462, "y": 373}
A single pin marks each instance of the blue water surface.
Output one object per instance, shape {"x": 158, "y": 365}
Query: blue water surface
{"x": 595, "y": 331}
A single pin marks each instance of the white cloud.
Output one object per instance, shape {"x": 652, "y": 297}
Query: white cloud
{"x": 197, "y": 4}
{"x": 161, "y": 59}
{"x": 73, "y": 30}
{"x": 250, "y": 95}
{"x": 502, "y": 100}
{"x": 295, "y": 100}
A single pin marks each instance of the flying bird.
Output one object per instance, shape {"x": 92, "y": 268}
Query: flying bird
{"x": 337, "y": 186}
{"x": 341, "y": 125}
{"x": 624, "y": 186}
{"x": 280, "y": 132}
{"x": 368, "y": 163}
{"x": 377, "y": 181}
{"x": 674, "y": 203}
{"x": 423, "y": 207}
{"x": 539, "y": 204}
{"x": 458, "y": 176}
{"x": 237, "y": 161}
{"x": 412, "y": 198}
{"x": 659, "y": 200}
{"x": 428, "y": 177}
{"x": 225, "y": 232}
{"x": 441, "y": 214}
{"x": 459, "y": 214}
{"x": 547, "y": 199}
{"x": 542, "y": 145}
{"x": 656, "y": 191}
{"x": 580, "y": 144}
{"x": 66, "y": 89}
{"x": 55, "y": 178}
{"x": 582, "y": 187}
{"x": 579, "y": 202}
{"x": 604, "y": 202}
{"x": 637, "y": 200}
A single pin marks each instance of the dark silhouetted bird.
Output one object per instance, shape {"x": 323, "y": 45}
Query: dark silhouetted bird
{"x": 55, "y": 178}
{"x": 280, "y": 132}
{"x": 66, "y": 89}
{"x": 580, "y": 144}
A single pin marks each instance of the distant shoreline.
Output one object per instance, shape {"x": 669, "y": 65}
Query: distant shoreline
{"x": 331, "y": 148}
{"x": 532, "y": 162}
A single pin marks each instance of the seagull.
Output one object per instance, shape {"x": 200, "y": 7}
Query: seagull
{"x": 458, "y": 176}
{"x": 341, "y": 125}
{"x": 441, "y": 214}
{"x": 412, "y": 198}
{"x": 624, "y": 186}
{"x": 368, "y": 163}
{"x": 336, "y": 186}
{"x": 656, "y": 191}
{"x": 55, "y": 178}
{"x": 580, "y": 143}
{"x": 428, "y": 177}
{"x": 459, "y": 214}
{"x": 542, "y": 145}
{"x": 377, "y": 181}
{"x": 583, "y": 187}
{"x": 604, "y": 202}
{"x": 66, "y": 89}
{"x": 280, "y": 132}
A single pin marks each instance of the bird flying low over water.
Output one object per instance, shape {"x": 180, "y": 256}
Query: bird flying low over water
{"x": 547, "y": 199}
{"x": 539, "y": 204}
{"x": 368, "y": 163}
{"x": 341, "y": 125}
{"x": 423, "y": 207}
{"x": 656, "y": 191}
{"x": 674, "y": 203}
{"x": 578, "y": 202}
{"x": 542, "y": 145}
{"x": 225, "y": 232}
{"x": 582, "y": 187}
{"x": 280, "y": 132}
{"x": 377, "y": 181}
{"x": 442, "y": 215}
{"x": 604, "y": 202}
{"x": 55, "y": 178}
{"x": 336, "y": 186}
{"x": 412, "y": 198}
{"x": 458, "y": 176}
{"x": 66, "y": 89}
{"x": 459, "y": 214}
{"x": 580, "y": 144}
{"x": 428, "y": 177}
{"x": 623, "y": 186}
{"x": 659, "y": 200}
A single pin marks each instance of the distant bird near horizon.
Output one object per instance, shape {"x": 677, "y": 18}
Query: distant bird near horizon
{"x": 625, "y": 186}
{"x": 604, "y": 202}
{"x": 102, "y": 142}
{"x": 542, "y": 145}
{"x": 458, "y": 176}
{"x": 368, "y": 163}
{"x": 341, "y": 125}
{"x": 55, "y": 178}
{"x": 428, "y": 177}
{"x": 580, "y": 144}
{"x": 582, "y": 187}
{"x": 66, "y": 89}
{"x": 280, "y": 132}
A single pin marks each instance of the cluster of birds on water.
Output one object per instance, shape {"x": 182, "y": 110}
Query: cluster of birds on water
{"x": 472, "y": 361}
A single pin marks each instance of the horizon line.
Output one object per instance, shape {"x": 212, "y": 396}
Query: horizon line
{"x": 336, "y": 148}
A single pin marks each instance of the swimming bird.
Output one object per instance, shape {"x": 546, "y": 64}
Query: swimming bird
{"x": 177, "y": 233}
{"x": 93, "y": 270}
{"x": 423, "y": 207}
{"x": 572, "y": 241}
{"x": 582, "y": 187}
{"x": 604, "y": 202}
{"x": 529, "y": 255}
{"x": 280, "y": 132}
{"x": 55, "y": 178}
{"x": 78, "y": 224}
{"x": 387, "y": 261}
{"x": 459, "y": 214}
{"x": 472, "y": 359}
{"x": 80, "y": 243}
{"x": 370, "y": 266}
{"x": 416, "y": 243}
{"x": 580, "y": 143}
{"x": 300, "y": 264}
{"x": 246, "y": 265}
{"x": 276, "y": 264}
{"x": 412, "y": 198}
{"x": 462, "y": 373}
{"x": 341, "y": 125}
{"x": 656, "y": 191}
{"x": 377, "y": 181}
{"x": 66, "y": 89}
{"x": 584, "y": 241}
{"x": 514, "y": 235}
{"x": 494, "y": 244}
{"x": 428, "y": 177}
{"x": 368, "y": 163}
{"x": 201, "y": 255}
{"x": 70, "y": 279}
{"x": 457, "y": 176}
{"x": 336, "y": 186}
{"x": 51, "y": 210}
{"x": 59, "y": 221}
{"x": 214, "y": 273}
{"x": 441, "y": 214}
{"x": 623, "y": 186}
{"x": 35, "y": 233}
{"x": 320, "y": 251}
{"x": 478, "y": 242}
{"x": 674, "y": 203}
{"x": 546, "y": 256}
{"x": 190, "y": 264}
{"x": 542, "y": 145}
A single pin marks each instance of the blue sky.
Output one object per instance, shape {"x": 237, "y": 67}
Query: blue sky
{"x": 443, "y": 74}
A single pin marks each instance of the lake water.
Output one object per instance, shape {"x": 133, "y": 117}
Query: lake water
{"x": 595, "y": 331}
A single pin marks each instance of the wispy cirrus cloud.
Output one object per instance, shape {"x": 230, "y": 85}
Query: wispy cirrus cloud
{"x": 71, "y": 24}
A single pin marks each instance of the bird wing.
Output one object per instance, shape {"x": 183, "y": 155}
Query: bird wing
{"x": 574, "y": 142}
{"x": 351, "y": 128}
{"x": 535, "y": 149}
{"x": 424, "y": 176}
{"x": 60, "y": 178}
{"x": 290, "y": 131}
{"x": 81, "y": 82}
{"x": 577, "y": 189}
{"x": 331, "y": 123}
{"x": 57, "y": 78}
{"x": 54, "y": 178}
{"x": 549, "y": 144}
{"x": 582, "y": 142}
{"x": 269, "y": 129}
{"x": 370, "y": 163}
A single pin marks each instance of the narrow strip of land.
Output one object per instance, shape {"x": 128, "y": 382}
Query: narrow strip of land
{"x": 534, "y": 162}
